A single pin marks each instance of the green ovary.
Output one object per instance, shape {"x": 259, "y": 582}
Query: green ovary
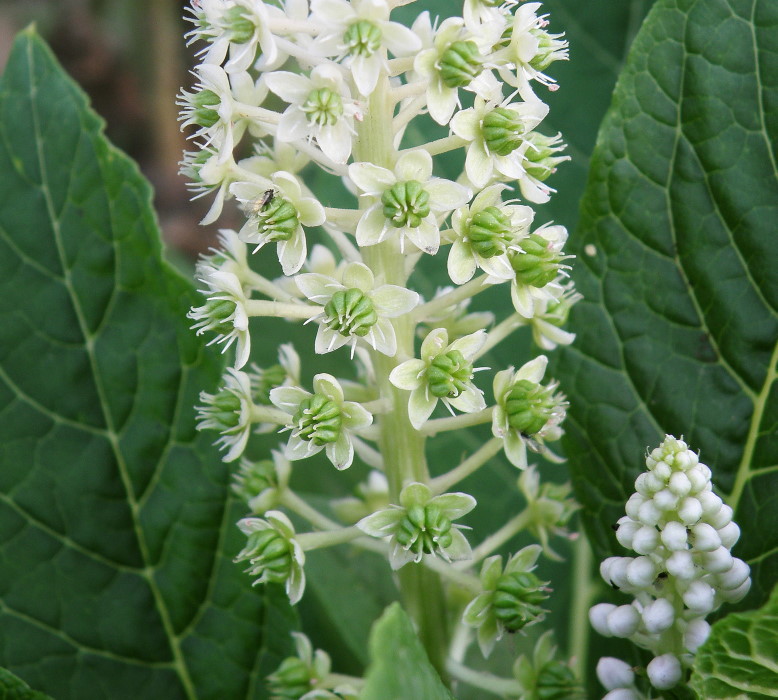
{"x": 502, "y": 129}
{"x": 277, "y": 220}
{"x": 318, "y": 420}
{"x": 424, "y": 530}
{"x": 362, "y": 38}
{"x": 323, "y": 107}
{"x": 538, "y": 264}
{"x": 529, "y": 407}
{"x": 350, "y": 312}
{"x": 448, "y": 374}
{"x": 489, "y": 232}
{"x": 406, "y": 204}
{"x": 459, "y": 64}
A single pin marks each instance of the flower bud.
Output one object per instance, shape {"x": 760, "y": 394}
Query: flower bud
{"x": 616, "y": 572}
{"x": 517, "y": 599}
{"x": 350, "y": 312}
{"x": 681, "y": 565}
{"x": 641, "y": 572}
{"x": 679, "y": 484}
{"x": 539, "y": 159}
{"x": 646, "y": 538}
{"x": 448, "y": 374}
{"x": 674, "y": 536}
{"x": 662, "y": 471}
{"x": 253, "y": 478}
{"x": 697, "y": 479}
{"x": 623, "y": 621}
{"x": 598, "y": 617}
{"x": 406, "y": 204}
{"x": 690, "y": 511}
{"x": 270, "y": 555}
{"x": 537, "y": 263}
{"x": 664, "y": 671}
{"x": 292, "y": 679}
{"x": 716, "y": 562}
{"x": 459, "y": 64}
{"x": 318, "y": 420}
{"x": 626, "y": 531}
{"x": 622, "y": 694}
{"x": 721, "y": 518}
{"x": 614, "y": 673}
{"x": 729, "y": 534}
{"x": 489, "y": 232}
{"x": 658, "y": 616}
{"x": 697, "y": 631}
{"x": 665, "y": 500}
{"x": 699, "y": 597}
{"x": 735, "y": 575}
{"x": 734, "y": 595}
{"x": 633, "y": 505}
{"x": 710, "y": 502}
{"x": 649, "y": 513}
{"x": 704, "y": 537}
{"x": 264, "y": 381}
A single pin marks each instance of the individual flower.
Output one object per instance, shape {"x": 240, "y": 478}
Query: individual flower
{"x": 354, "y": 308}
{"x": 539, "y": 163}
{"x": 485, "y": 233}
{"x": 277, "y": 214}
{"x": 550, "y": 316}
{"x": 530, "y": 50}
{"x": 455, "y": 318}
{"x": 682, "y": 534}
{"x": 452, "y": 62}
{"x": 260, "y": 484}
{"x": 358, "y": 30}
{"x": 229, "y": 256}
{"x": 370, "y": 496}
{"x": 444, "y": 372}
{"x": 230, "y": 412}
{"x": 527, "y": 413}
{"x": 210, "y": 170}
{"x": 320, "y": 107}
{"x": 224, "y": 312}
{"x": 538, "y": 261}
{"x": 549, "y": 509}
{"x": 410, "y": 200}
{"x": 495, "y": 135}
{"x": 544, "y": 677}
{"x": 490, "y": 13}
{"x": 285, "y": 373}
{"x": 510, "y": 599}
{"x": 322, "y": 420}
{"x": 273, "y": 553}
{"x": 421, "y": 525}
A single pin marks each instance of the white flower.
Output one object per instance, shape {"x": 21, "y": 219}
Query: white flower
{"x": 355, "y": 309}
{"x": 421, "y": 525}
{"x": 445, "y": 372}
{"x": 358, "y": 30}
{"x": 410, "y": 201}
{"x": 229, "y": 412}
{"x": 224, "y": 312}
{"x": 278, "y": 214}
{"x": 486, "y": 231}
{"x": 526, "y": 413}
{"x": 321, "y": 421}
{"x": 320, "y": 107}
{"x": 273, "y": 552}
{"x": 496, "y": 135}
{"x": 211, "y": 169}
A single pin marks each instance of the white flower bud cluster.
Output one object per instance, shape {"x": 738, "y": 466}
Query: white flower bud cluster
{"x": 682, "y": 533}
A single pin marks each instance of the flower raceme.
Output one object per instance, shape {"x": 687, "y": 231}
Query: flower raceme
{"x": 284, "y": 88}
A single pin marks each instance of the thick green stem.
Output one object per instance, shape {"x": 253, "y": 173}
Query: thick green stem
{"x": 402, "y": 447}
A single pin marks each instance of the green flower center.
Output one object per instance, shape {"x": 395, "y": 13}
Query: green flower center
{"x": 205, "y": 104}
{"x": 362, "y": 38}
{"x": 538, "y": 264}
{"x": 448, "y": 374}
{"x": 503, "y": 130}
{"x": 220, "y": 313}
{"x": 318, "y": 420}
{"x": 350, "y": 312}
{"x": 269, "y": 554}
{"x": 323, "y": 106}
{"x": 292, "y": 679}
{"x": 224, "y": 409}
{"x": 406, "y": 204}
{"x": 240, "y": 27}
{"x": 276, "y": 219}
{"x": 489, "y": 232}
{"x": 424, "y": 530}
{"x": 529, "y": 407}
{"x": 516, "y": 600}
{"x": 459, "y": 64}
{"x": 254, "y": 478}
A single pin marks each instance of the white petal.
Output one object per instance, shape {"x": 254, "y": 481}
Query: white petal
{"x": 290, "y": 87}
{"x": 371, "y": 228}
{"x": 382, "y": 523}
{"x": 434, "y": 344}
{"x": 469, "y": 345}
{"x": 534, "y": 191}
{"x": 391, "y": 300}
{"x": 469, "y": 401}
{"x": 414, "y": 165}
{"x": 465, "y": 124}
{"x": 300, "y": 449}
{"x": 400, "y": 40}
{"x": 357, "y": 416}
{"x": 533, "y": 370}
{"x": 459, "y": 549}
{"x": 340, "y": 452}
{"x": 420, "y": 407}
{"x": 446, "y": 195}
{"x": 316, "y": 287}
{"x": 358, "y": 275}
{"x": 288, "y": 398}
{"x": 455, "y": 505}
{"x": 426, "y": 236}
{"x": 478, "y": 164}
{"x": 515, "y": 450}
{"x": 365, "y": 71}
{"x": 328, "y": 386}
{"x": 497, "y": 266}
{"x": 441, "y": 101}
{"x": 335, "y": 141}
{"x": 408, "y": 374}
{"x": 370, "y": 178}
{"x": 522, "y": 299}
{"x": 293, "y": 125}
{"x": 328, "y": 340}
{"x": 291, "y": 253}
{"x": 382, "y": 337}
{"x": 461, "y": 262}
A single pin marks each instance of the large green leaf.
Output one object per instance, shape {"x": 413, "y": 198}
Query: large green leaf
{"x": 399, "y": 668}
{"x": 679, "y": 268}
{"x": 740, "y": 658}
{"x": 116, "y": 529}
{"x": 13, "y": 688}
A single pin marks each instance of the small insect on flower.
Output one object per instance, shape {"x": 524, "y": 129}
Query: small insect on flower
{"x": 255, "y": 206}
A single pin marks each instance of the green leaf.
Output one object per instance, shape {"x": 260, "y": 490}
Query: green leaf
{"x": 740, "y": 658}
{"x": 400, "y": 668}
{"x": 679, "y": 268}
{"x": 116, "y": 527}
{"x": 13, "y": 688}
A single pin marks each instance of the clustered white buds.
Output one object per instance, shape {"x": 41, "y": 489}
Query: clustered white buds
{"x": 682, "y": 533}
